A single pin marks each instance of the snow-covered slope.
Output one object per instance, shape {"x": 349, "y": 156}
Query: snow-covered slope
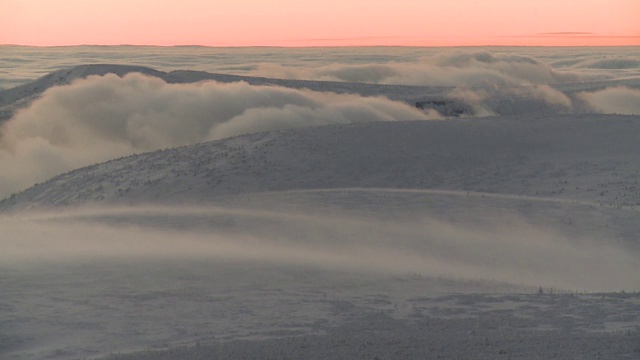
{"x": 589, "y": 158}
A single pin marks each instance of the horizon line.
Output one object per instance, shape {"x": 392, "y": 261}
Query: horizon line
{"x": 334, "y": 46}
{"x": 545, "y": 39}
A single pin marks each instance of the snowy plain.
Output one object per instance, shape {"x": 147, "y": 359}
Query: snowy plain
{"x": 259, "y": 203}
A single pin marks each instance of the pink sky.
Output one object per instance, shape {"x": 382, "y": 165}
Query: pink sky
{"x": 320, "y": 23}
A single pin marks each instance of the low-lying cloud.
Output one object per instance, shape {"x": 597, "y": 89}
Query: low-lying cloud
{"x": 487, "y": 83}
{"x": 374, "y": 65}
{"x": 609, "y": 63}
{"x": 516, "y": 100}
{"x": 101, "y": 118}
{"x": 506, "y": 250}
{"x": 454, "y": 69}
{"x": 615, "y": 100}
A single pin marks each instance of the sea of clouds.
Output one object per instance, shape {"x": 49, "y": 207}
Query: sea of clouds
{"x": 417, "y": 66}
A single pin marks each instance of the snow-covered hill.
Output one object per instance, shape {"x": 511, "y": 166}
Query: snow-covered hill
{"x": 590, "y": 158}
{"x": 108, "y": 116}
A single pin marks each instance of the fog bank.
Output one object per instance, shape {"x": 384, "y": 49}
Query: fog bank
{"x": 615, "y": 100}
{"x": 101, "y": 118}
{"x": 508, "y": 250}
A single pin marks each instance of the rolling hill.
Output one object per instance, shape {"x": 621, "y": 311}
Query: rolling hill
{"x": 591, "y": 158}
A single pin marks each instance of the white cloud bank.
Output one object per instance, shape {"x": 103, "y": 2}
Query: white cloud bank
{"x": 454, "y": 68}
{"x": 487, "y": 83}
{"x": 101, "y": 118}
{"x": 490, "y": 102}
{"x": 615, "y": 100}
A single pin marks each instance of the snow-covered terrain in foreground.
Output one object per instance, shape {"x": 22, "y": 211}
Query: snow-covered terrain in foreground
{"x": 301, "y": 244}
{"x": 247, "y": 310}
{"x": 487, "y": 238}
{"x": 323, "y": 274}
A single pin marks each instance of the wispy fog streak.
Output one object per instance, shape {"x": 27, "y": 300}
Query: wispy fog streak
{"x": 505, "y": 250}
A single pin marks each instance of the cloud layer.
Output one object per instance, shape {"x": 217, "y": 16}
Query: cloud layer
{"x": 101, "y": 118}
{"x": 374, "y": 65}
{"x": 614, "y": 100}
{"x": 489, "y": 83}
{"x": 455, "y": 68}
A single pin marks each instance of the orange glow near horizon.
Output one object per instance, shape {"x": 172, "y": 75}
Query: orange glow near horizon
{"x": 299, "y": 23}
